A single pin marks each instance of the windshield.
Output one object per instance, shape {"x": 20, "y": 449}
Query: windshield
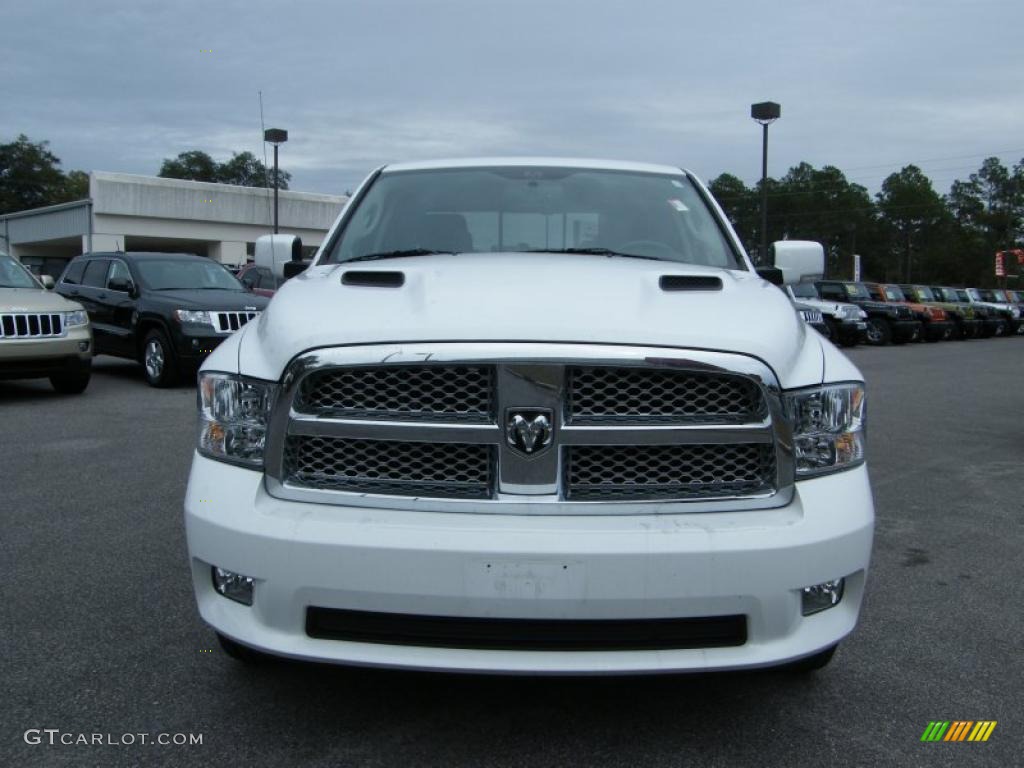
{"x": 923, "y": 293}
{"x": 523, "y": 209}
{"x": 893, "y": 293}
{"x": 804, "y": 291}
{"x": 168, "y": 274}
{"x": 13, "y": 275}
{"x": 856, "y": 291}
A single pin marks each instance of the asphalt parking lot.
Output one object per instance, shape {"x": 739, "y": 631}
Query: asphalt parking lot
{"x": 101, "y": 635}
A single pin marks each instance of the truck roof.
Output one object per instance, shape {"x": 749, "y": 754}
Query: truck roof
{"x": 550, "y": 162}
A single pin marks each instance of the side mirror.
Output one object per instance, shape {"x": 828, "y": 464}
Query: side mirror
{"x": 122, "y": 284}
{"x": 293, "y": 268}
{"x": 274, "y": 252}
{"x": 772, "y": 274}
{"x": 47, "y": 282}
{"x": 799, "y": 260}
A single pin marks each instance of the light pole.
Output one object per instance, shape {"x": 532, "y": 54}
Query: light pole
{"x": 275, "y": 136}
{"x": 766, "y": 113}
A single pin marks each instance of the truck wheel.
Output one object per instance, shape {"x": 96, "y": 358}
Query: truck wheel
{"x": 812, "y": 663}
{"x": 879, "y": 332}
{"x": 240, "y": 652}
{"x": 1000, "y": 329}
{"x": 158, "y": 360}
{"x": 831, "y": 330}
{"x": 71, "y": 382}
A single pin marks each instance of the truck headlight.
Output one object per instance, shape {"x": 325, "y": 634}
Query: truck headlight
{"x": 233, "y": 415}
{"x": 852, "y": 313}
{"x": 76, "y": 318}
{"x": 828, "y": 428}
{"x": 193, "y": 317}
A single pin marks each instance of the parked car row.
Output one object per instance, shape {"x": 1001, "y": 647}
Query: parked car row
{"x": 886, "y": 313}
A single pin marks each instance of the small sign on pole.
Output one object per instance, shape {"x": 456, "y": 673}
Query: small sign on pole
{"x": 856, "y": 267}
{"x": 1000, "y": 266}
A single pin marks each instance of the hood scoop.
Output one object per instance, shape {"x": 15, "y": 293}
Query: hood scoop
{"x": 671, "y": 283}
{"x": 369, "y": 278}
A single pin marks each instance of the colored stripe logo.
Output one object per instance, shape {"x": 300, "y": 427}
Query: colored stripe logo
{"x": 958, "y": 730}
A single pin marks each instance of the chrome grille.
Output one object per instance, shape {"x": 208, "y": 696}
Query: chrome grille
{"x": 439, "y": 427}
{"x": 603, "y": 393}
{"x": 389, "y": 467}
{"x": 595, "y": 472}
{"x": 448, "y": 393}
{"x": 226, "y": 322}
{"x": 24, "y": 325}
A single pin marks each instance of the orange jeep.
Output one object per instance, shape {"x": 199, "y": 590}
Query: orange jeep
{"x": 935, "y": 322}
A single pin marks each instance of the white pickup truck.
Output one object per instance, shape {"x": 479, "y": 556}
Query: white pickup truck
{"x": 531, "y": 416}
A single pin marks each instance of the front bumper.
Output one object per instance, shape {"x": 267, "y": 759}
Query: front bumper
{"x": 936, "y": 330}
{"x": 852, "y": 331}
{"x": 906, "y": 330}
{"x": 39, "y": 358}
{"x": 529, "y": 567}
{"x": 193, "y": 344}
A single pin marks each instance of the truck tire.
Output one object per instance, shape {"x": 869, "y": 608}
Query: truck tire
{"x": 158, "y": 361}
{"x": 831, "y": 331}
{"x": 71, "y": 382}
{"x": 879, "y": 331}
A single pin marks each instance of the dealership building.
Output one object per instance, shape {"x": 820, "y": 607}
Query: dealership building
{"x": 125, "y": 212}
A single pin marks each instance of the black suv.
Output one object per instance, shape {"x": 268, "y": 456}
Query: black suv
{"x": 887, "y": 323}
{"x": 166, "y": 310}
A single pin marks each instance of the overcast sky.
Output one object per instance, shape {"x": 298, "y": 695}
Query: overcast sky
{"x": 867, "y": 86}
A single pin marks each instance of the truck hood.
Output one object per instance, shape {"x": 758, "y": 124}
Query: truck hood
{"x": 533, "y": 298}
{"x": 34, "y": 300}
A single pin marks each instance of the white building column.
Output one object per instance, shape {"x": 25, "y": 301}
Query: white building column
{"x": 231, "y": 252}
{"x": 102, "y": 242}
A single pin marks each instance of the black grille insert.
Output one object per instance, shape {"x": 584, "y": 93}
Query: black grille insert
{"x": 526, "y": 634}
{"x": 446, "y": 470}
{"x": 600, "y": 394}
{"x": 436, "y": 392}
{"x": 607, "y": 472}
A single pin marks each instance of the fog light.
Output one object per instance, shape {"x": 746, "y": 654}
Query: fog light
{"x": 821, "y": 596}
{"x": 233, "y": 586}
{"x": 83, "y": 346}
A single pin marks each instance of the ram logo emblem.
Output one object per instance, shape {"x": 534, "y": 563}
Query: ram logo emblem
{"x": 528, "y": 431}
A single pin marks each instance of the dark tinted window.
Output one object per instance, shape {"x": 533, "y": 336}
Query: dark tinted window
{"x": 96, "y": 273}
{"x": 171, "y": 274}
{"x": 73, "y": 275}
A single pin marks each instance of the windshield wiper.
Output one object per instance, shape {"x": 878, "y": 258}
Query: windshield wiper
{"x": 400, "y": 254}
{"x": 594, "y": 252}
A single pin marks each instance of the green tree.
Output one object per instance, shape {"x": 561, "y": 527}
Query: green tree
{"x": 917, "y": 221}
{"x": 242, "y": 170}
{"x": 194, "y": 165}
{"x": 30, "y": 177}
